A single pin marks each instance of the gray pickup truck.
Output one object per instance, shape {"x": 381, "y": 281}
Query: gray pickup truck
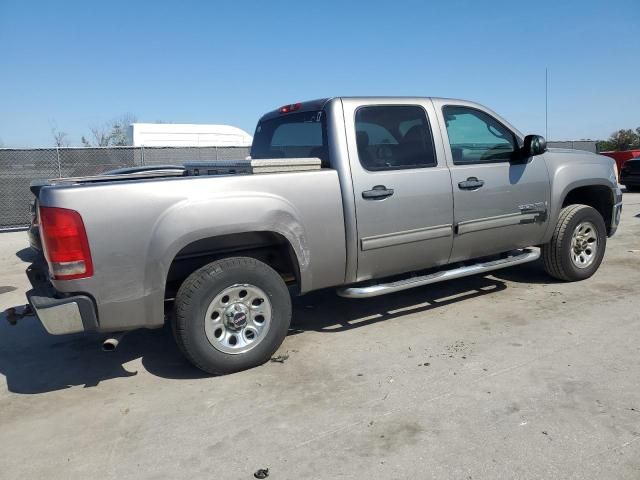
{"x": 407, "y": 192}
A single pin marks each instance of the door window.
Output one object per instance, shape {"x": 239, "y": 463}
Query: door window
{"x": 391, "y": 137}
{"x": 476, "y": 137}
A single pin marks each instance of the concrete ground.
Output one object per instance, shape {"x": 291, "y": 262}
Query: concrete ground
{"x": 510, "y": 375}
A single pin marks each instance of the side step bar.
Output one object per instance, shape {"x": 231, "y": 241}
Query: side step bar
{"x": 516, "y": 257}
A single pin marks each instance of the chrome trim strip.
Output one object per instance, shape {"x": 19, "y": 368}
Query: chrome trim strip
{"x": 496, "y": 222}
{"x": 407, "y": 236}
{"x": 518, "y": 257}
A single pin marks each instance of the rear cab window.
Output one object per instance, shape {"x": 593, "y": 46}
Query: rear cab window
{"x": 394, "y": 137}
{"x": 292, "y": 135}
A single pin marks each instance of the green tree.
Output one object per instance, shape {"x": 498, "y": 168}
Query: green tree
{"x": 621, "y": 140}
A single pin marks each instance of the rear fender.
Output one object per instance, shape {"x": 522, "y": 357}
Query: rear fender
{"x": 192, "y": 220}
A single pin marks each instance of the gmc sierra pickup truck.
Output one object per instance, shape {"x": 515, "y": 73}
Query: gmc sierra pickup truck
{"x": 405, "y": 192}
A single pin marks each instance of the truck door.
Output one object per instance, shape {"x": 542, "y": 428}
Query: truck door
{"x": 402, "y": 186}
{"x": 500, "y": 205}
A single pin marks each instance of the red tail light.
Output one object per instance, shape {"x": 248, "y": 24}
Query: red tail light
{"x": 65, "y": 243}
{"x": 290, "y": 108}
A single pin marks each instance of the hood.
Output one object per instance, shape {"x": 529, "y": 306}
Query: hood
{"x": 579, "y": 156}
{"x": 589, "y": 165}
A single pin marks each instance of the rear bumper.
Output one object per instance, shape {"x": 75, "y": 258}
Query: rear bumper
{"x": 59, "y": 314}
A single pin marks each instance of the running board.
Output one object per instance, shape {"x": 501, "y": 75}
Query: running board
{"x": 516, "y": 257}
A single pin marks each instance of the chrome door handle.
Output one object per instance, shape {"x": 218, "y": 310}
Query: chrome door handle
{"x": 471, "y": 183}
{"x": 377, "y": 193}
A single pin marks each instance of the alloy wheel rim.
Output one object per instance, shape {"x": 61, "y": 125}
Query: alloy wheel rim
{"x": 238, "y": 318}
{"x": 584, "y": 245}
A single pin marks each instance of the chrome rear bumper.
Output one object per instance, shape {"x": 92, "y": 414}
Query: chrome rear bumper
{"x": 59, "y": 314}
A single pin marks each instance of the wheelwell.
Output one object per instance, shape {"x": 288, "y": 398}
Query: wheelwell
{"x": 268, "y": 247}
{"x": 596, "y": 196}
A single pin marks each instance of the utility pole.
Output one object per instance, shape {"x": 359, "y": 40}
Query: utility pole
{"x": 546, "y": 103}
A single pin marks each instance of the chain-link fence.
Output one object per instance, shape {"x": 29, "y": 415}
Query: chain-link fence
{"x": 18, "y": 167}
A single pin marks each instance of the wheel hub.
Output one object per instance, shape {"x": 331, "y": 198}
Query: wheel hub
{"x": 236, "y": 316}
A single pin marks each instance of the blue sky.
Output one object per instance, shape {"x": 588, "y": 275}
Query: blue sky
{"x": 77, "y": 64}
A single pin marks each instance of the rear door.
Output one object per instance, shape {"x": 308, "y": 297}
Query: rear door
{"x": 500, "y": 205}
{"x": 402, "y": 186}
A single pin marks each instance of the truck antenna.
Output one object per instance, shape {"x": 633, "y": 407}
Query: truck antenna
{"x": 546, "y": 103}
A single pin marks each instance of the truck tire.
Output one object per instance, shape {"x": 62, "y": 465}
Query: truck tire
{"x": 577, "y": 245}
{"x": 231, "y": 315}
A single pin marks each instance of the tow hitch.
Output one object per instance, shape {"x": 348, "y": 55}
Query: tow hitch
{"x": 13, "y": 316}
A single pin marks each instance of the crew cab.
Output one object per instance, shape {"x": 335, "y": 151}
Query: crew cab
{"x": 368, "y": 195}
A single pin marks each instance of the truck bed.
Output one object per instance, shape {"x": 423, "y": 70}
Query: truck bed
{"x": 190, "y": 169}
{"x": 137, "y": 226}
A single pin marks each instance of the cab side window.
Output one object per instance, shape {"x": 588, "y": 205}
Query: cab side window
{"x": 392, "y": 137}
{"x": 476, "y": 137}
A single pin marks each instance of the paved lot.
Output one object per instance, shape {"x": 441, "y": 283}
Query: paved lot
{"x": 504, "y": 376}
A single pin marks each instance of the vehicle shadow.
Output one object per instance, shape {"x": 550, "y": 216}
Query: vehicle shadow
{"x": 35, "y": 362}
{"x": 531, "y": 273}
{"x": 324, "y": 311}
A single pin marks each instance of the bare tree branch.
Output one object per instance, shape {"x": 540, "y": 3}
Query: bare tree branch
{"x": 59, "y": 137}
{"x": 112, "y": 133}
{"x": 101, "y": 136}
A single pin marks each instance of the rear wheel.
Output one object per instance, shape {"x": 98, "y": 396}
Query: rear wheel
{"x": 578, "y": 243}
{"x": 231, "y": 315}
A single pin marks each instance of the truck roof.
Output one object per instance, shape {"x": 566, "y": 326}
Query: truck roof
{"x": 317, "y": 104}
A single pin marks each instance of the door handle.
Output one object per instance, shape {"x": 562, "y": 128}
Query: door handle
{"x": 377, "y": 193}
{"x": 471, "y": 183}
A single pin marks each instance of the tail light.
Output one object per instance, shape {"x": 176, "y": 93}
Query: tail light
{"x": 65, "y": 243}
{"x": 290, "y": 108}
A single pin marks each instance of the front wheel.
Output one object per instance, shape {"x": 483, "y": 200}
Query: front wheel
{"x": 578, "y": 243}
{"x": 231, "y": 315}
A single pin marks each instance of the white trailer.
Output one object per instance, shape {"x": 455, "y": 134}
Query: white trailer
{"x": 187, "y": 135}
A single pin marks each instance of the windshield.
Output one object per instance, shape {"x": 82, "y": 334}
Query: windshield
{"x": 295, "y": 135}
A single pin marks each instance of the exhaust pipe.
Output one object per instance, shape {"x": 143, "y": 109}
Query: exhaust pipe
{"x": 111, "y": 343}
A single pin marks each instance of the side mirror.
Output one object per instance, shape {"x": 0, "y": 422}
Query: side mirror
{"x": 533, "y": 145}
